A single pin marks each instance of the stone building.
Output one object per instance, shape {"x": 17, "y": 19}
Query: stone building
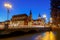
{"x": 39, "y": 21}
{"x": 2, "y": 26}
{"x": 23, "y": 20}
{"x": 55, "y": 11}
{"x": 19, "y": 20}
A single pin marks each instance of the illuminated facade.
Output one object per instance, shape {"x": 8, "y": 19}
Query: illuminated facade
{"x": 39, "y": 21}
{"x": 25, "y": 20}
{"x": 2, "y": 25}
{"x": 20, "y": 19}
{"x": 55, "y": 11}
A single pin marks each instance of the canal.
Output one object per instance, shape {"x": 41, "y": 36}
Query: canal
{"x": 49, "y": 35}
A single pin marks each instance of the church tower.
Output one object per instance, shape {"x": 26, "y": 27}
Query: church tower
{"x": 30, "y": 16}
{"x": 39, "y": 17}
{"x": 55, "y": 11}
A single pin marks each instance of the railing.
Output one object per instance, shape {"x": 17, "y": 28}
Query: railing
{"x": 26, "y": 26}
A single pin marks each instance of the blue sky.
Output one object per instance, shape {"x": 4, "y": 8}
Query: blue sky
{"x": 24, "y": 6}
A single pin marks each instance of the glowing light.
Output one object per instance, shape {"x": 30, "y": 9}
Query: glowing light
{"x": 46, "y": 36}
{"x": 50, "y": 20}
{"x": 49, "y": 36}
{"x": 44, "y": 16}
{"x": 52, "y": 36}
{"x": 7, "y": 5}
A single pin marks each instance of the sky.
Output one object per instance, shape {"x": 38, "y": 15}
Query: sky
{"x": 24, "y": 6}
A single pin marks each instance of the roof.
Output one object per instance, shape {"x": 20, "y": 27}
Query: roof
{"x": 20, "y": 15}
{"x": 7, "y": 21}
{"x": 38, "y": 19}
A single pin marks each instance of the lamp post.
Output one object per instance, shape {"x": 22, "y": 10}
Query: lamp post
{"x": 8, "y": 6}
{"x": 44, "y": 16}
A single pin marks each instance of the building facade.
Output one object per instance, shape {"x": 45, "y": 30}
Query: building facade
{"x": 23, "y": 20}
{"x": 55, "y": 11}
{"x": 2, "y": 26}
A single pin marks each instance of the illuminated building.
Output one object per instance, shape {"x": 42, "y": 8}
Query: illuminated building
{"x": 22, "y": 18}
{"x": 55, "y": 11}
{"x": 39, "y": 21}
{"x": 25, "y": 20}
{"x": 30, "y": 20}
{"x": 2, "y": 25}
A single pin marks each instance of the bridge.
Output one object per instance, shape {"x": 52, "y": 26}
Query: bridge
{"x": 25, "y": 28}
{"x": 34, "y": 28}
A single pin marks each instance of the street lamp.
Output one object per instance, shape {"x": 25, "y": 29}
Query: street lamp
{"x": 8, "y": 6}
{"x": 44, "y": 16}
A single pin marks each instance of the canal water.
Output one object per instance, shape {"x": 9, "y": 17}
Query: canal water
{"x": 49, "y": 35}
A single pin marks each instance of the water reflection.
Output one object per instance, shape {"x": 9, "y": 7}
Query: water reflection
{"x": 52, "y": 36}
{"x": 38, "y": 36}
{"x": 46, "y": 36}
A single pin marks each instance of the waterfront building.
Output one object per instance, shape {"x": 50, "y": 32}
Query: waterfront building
{"x": 2, "y": 25}
{"x": 39, "y": 21}
{"x": 55, "y": 11}
{"x": 23, "y": 20}
{"x": 19, "y": 20}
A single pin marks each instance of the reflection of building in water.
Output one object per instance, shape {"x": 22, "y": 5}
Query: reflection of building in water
{"x": 49, "y": 36}
{"x": 55, "y": 11}
{"x": 46, "y": 36}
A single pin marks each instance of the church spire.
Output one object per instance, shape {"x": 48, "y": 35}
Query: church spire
{"x": 30, "y": 17}
{"x": 39, "y": 16}
{"x": 30, "y": 12}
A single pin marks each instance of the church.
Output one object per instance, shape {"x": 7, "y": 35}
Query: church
{"x": 25, "y": 20}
